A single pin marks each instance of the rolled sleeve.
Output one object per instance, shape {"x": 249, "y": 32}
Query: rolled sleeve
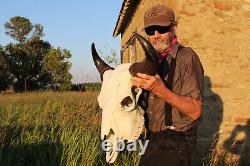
{"x": 193, "y": 76}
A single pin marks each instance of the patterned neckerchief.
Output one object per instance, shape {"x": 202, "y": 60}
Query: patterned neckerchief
{"x": 165, "y": 53}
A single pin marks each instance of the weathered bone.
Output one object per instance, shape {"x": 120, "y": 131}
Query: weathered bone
{"x": 121, "y": 116}
{"x": 122, "y": 120}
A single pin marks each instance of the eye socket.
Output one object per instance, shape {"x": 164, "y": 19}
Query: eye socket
{"x": 126, "y": 101}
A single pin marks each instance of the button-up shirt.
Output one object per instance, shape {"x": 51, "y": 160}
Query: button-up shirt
{"x": 187, "y": 81}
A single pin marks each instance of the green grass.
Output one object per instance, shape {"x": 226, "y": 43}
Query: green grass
{"x": 56, "y": 128}
{"x": 53, "y": 128}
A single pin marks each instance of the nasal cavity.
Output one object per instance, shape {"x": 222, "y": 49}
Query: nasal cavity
{"x": 126, "y": 101}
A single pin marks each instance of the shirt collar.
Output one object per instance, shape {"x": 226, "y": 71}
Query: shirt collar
{"x": 174, "y": 50}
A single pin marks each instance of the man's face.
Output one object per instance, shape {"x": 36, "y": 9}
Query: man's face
{"x": 159, "y": 37}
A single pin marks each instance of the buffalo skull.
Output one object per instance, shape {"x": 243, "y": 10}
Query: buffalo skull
{"x": 122, "y": 118}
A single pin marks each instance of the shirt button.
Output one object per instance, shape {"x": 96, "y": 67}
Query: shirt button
{"x": 150, "y": 112}
{"x": 151, "y": 97}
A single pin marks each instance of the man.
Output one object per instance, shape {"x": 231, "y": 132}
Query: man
{"x": 175, "y": 95}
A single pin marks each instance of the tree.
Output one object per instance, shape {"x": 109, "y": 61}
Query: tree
{"x": 6, "y": 78}
{"x": 57, "y": 65}
{"x": 32, "y": 61}
{"x": 25, "y": 58}
{"x": 20, "y": 27}
{"x": 25, "y": 62}
{"x": 112, "y": 59}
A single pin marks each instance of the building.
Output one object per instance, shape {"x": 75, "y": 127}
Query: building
{"x": 218, "y": 30}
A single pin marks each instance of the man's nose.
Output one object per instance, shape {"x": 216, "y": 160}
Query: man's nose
{"x": 157, "y": 34}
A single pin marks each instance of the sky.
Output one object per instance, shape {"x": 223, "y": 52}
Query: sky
{"x": 73, "y": 25}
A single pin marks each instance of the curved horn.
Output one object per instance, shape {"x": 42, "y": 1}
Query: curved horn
{"x": 149, "y": 50}
{"x": 99, "y": 63}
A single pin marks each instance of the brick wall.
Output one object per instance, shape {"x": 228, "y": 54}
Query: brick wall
{"x": 218, "y": 30}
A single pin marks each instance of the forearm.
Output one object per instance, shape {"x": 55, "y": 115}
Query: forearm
{"x": 184, "y": 104}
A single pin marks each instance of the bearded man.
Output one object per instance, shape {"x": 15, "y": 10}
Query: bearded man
{"x": 174, "y": 104}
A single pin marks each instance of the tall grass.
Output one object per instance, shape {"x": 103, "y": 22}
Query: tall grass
{"x": 57, "y": 128}
{"x": 53, "y": 128}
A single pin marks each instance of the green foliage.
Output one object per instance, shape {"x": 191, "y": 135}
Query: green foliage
{"x": 6, "y": 78}
{"x": 111, "y": 58}
{"x": 20, "y": 27}
{"x": 94, "y": 86}
{"x": 31, "y": 63}
{"x": 38, "y": 32}
{"x": 57, "y": 65}
{"x": 25, "y": 62}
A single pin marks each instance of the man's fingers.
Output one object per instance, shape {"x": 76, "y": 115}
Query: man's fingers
{"x": 136, "y": 81}
{"x": 157, "y": 76}
{"x": 144, "y": 76}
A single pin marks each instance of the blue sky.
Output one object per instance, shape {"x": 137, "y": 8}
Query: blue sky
{"x": 73, "y": 25}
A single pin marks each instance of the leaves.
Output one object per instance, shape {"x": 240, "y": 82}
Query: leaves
{"x": 57, "y": 65}
{"x": 18, "y": 28}
{"x": 32, "y": 63}
{"x": 5, "y": 76}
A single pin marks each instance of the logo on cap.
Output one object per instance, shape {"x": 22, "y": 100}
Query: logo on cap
{"x": 153, "y": 14}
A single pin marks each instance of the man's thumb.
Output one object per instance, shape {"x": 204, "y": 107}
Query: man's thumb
{"x": 157, "y": 76}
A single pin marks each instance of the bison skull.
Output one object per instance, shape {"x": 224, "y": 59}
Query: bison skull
{"x": 122, "y": 118}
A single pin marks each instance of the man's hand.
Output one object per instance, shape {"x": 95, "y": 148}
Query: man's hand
{"x": 185, "y": 104}
{"x": 151, "y": 83}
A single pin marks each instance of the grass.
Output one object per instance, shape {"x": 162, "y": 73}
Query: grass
{"x": 57, "y": 128}
{"x": 53, "y": 128}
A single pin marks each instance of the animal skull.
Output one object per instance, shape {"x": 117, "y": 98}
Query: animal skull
{"x": 121, "y": 116}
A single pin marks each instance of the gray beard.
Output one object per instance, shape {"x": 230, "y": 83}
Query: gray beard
{"x": 161, "y": 46}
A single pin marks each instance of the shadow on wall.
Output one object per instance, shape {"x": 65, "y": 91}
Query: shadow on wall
{"x": 209, "y": 127}
{"x": 239, "y": 143}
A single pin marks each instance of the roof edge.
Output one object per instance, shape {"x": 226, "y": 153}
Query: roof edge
{"x": 127, "y": 9}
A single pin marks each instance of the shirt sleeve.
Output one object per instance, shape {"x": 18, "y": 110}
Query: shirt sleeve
{"x": 192, "y": 75}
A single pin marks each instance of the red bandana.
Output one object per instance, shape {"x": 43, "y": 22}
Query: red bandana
{"x": 165, "y": 53}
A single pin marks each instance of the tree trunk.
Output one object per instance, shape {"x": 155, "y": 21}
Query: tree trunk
{"x": 25, "y": 85}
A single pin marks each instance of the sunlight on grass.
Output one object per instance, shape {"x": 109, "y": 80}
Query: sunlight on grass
{"x": 53, "y": 128}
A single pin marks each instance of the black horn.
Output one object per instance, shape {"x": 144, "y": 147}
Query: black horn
{"x": 149, "y": 50}
{"x": 99, "y": 63}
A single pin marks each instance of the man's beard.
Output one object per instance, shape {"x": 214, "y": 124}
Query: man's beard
{"x": 161, "y": 45}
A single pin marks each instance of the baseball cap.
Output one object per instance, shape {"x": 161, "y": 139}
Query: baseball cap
{"x": 160, "y": 15}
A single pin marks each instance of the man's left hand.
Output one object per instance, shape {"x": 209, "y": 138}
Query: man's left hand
{"x": 151, "y": 83}
{"x": 185, "y": 104}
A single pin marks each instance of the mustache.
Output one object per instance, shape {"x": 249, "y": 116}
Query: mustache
{"x": 159, "y": 41}
{"x": 160, "y": 45}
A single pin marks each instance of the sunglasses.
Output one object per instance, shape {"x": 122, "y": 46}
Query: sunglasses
{"x": 150, "y": 31}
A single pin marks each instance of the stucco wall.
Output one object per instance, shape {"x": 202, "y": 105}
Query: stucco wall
{"x": 218, "y": 30}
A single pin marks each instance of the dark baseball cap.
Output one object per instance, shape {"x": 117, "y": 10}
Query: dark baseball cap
{"x": 160, "y": 15}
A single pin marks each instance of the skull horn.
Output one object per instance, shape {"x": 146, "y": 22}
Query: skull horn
{"x": 99, "y": 63}
{"x": 149, "y": 50}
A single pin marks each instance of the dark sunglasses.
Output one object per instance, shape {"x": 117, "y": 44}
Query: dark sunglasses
{"x": 150, "y": 31}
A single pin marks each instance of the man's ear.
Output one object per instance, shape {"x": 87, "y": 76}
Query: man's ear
{"x": 173, "y": 29}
